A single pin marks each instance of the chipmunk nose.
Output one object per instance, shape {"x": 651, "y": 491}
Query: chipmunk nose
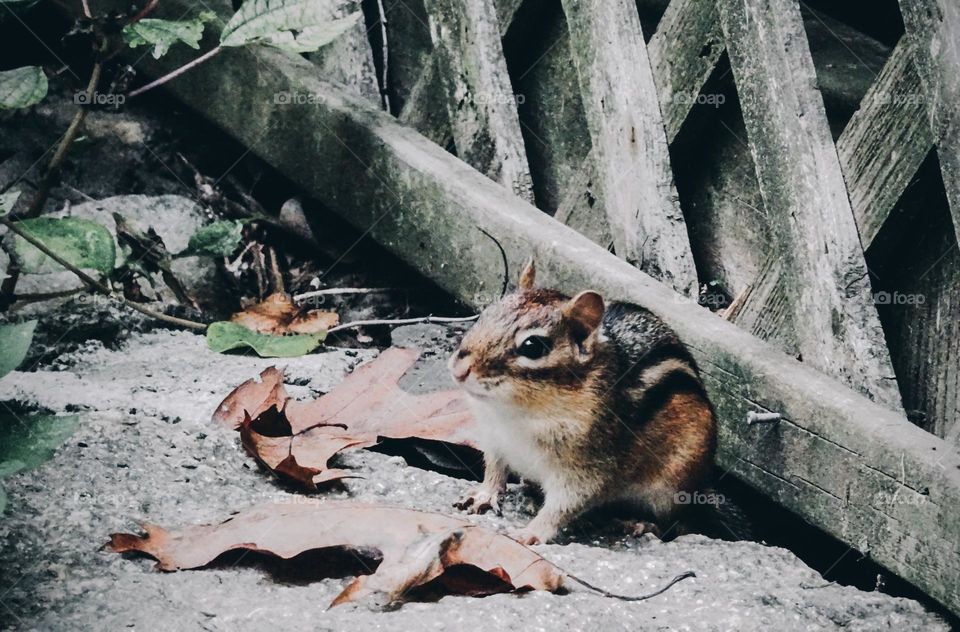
{"x": 460, "y": 365}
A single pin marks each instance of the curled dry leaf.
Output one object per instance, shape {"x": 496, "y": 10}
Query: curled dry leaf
{"x": 418, "y": 548}
{"x": 278, "y": 315}
{"x": 297, "y": 439}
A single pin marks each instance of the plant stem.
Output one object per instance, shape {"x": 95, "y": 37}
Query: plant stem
{"x": 46, "y": 296}
{"x": 144, "y": 12}
{"x": 403, "y": 321}
{"x": 97, "y": 285}
{"x": 273, "y": 272}
{"x": 175, "y": 73}
{"x": 53, "y": 169}
{"x": 86, "y": 9}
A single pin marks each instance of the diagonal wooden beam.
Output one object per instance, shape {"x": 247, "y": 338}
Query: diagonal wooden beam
{"x": 838, "y": 330}
{"x": 630, "y": 147}
{"x": 683, "y": 53}
{"x": 885, "y": 142}
{"x": 480, "y": 101}
{"x": 880, "y": 150}
{"x": 933, "y": 26}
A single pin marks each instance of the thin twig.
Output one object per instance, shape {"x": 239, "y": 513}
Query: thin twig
{"x": 176, "y": 73}
{"x": 342, "y": 290}
{"x": 403, "y": 321}
{"x": 384, "y": 88}
{"x": 506, "y": 264}
{"x": 97, "y": 285}
{"x": 46, "y": 183}
{"x": 273, "y": 272}
{"x": 46, "y": 296}
{"x": 606, "y": 593}
{"x": 145, "y": 11}
{"x": 86, "y": 9}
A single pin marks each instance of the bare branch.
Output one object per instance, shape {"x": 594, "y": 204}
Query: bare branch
{"x": 404, "y": 321}
{"x": 176, "y": 73}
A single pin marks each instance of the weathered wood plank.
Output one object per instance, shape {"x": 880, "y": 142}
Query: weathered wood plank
{"x": 479, "y": 97}
{"x": 349, "y": 60}
{"x": 579, "y": 210}
{"x": 934, "y": 28}
{"x": 629, "y": 143}
{"x": 798, "y": 170}
{"x": 880, "y": 150}
{"x": 683, "y": 52}
{"x": 884, "y": 143}
{"x": 537, "y": 48}
{"x": 424, "y": 111}
{"x": 767, "y": 310}
{"x": 506, "y": 11}
{"x": 426, "y": 206}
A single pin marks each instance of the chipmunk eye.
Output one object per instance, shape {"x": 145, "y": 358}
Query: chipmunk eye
{"x": 534, "y": 347}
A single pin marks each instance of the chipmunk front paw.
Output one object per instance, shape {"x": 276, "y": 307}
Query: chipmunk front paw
{"x": 479, "y": 500}
{"x": 526, "y": 536}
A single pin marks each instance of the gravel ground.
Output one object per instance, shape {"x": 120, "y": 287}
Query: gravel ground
{"x": 146, "y": 450}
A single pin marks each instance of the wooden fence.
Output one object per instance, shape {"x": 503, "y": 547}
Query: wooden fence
{"x": 823, "y": 202}
{"x": 600, "y": 137}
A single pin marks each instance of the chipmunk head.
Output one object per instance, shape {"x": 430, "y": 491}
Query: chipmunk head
{"x": 529, "y": 340}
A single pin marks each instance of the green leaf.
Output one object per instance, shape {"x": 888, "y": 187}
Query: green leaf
{"x": 22, "y": 87}
{"x": 29, "y": 440}
{"x": 218, "y": 239}
{"x": 83, "y": 243}
{"x": 15, "y": 342}
{"x": 162, "y": 34}
{"x": 298, "y": 26}
{"x": 8, "y": 199}
{"x": 224, "y": 336}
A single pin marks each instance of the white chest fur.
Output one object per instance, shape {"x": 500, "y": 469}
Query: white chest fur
{"x": 517, "y": 438}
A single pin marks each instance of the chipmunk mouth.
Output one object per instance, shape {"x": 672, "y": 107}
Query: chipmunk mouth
{"x": 484, "y": 388}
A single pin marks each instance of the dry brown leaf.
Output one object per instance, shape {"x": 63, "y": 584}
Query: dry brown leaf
{"x": 297, "y": 439}
{"x": 278, "y": 315}
{"x": 418, "y": 548}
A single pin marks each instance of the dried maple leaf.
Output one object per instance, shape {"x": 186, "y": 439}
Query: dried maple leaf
{"x": 417, "y": 548}
{"x": 297, "y": 439}
{"x": 277, "y": 315}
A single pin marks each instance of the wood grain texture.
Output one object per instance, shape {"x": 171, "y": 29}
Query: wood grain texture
{"x": 801, "y": 182}
{"x": 933, "y": 26}
{"x": 683, "y": 52}
{"x": 885, "y": 142}
{"x": 476, "y": 85}
{"x": 630, "y": 146}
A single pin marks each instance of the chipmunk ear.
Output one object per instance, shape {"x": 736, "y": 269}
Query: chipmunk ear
{"x": 585, "y": 310}
{"x": 528, "y": 276}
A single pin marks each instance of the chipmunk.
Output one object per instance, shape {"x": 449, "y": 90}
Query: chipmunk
{"x": 597, "y": 404}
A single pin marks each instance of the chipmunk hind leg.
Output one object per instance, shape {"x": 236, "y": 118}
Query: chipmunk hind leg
{"x": 673, "y": 460}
